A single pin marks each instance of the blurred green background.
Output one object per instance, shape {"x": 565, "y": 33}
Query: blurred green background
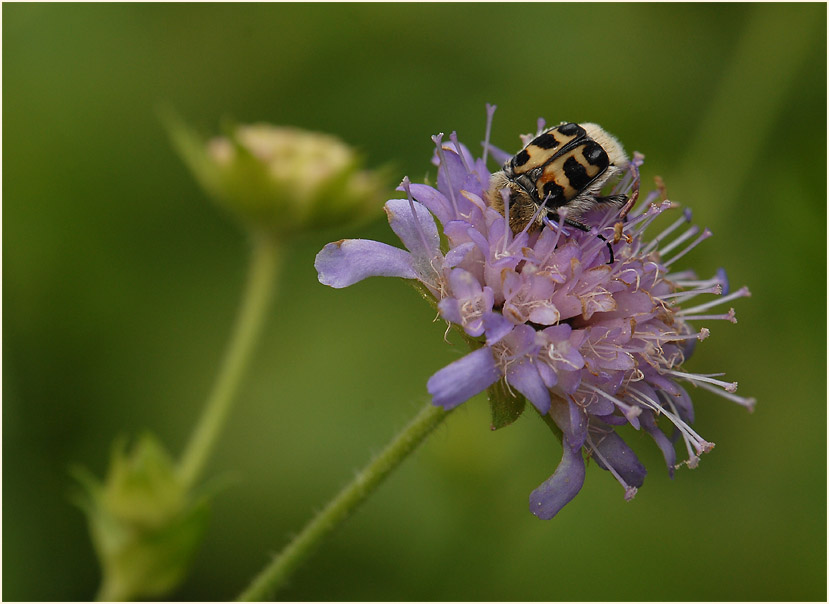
{"x": 120, "y": 283}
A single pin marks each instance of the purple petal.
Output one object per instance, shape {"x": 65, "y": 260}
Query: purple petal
{"x": 450, "y": 309}
{"x": 570, "y": 419}
{"x": 348, "y": 261}
{"x": 525, "y": 379}
{"x": 558, "y": 490}
{"x": 663, "y": 442}
{"x": 451, "y": 172}
{"x": 464, "y": 284}
{"x": 463, "y": 379}
{"x": 414, "y": 229}
{"x": 458, "y": 254}
{"x": 499, "y": 155}
{"x": 496, "y": 326}
{"x": 480, "y": 240}
{"x": 548, "y": 375}
{"x": 434, "y": 200}
{"x": 569, "y": 381}
{"x": 621, "y": 458}
{"x": 545, "y": 313}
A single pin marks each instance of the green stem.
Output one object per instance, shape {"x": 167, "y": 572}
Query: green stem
{"x": 274, "y": 575}
{"x": 264, "y": 262}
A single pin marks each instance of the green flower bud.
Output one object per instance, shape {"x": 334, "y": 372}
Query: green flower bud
{"x": 280, "y": 179}
{"x": 144, "y": 525}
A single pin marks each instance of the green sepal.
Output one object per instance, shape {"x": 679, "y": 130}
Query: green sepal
{"x": 506, "y": 406}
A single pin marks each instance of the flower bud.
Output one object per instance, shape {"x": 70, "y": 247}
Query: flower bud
{"x": 279, "y": 179}
{"x": 144, "y": 525}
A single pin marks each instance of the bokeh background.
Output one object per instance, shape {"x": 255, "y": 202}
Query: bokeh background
{"x": 120, "y": 283}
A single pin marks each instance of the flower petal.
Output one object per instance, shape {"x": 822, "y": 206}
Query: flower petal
{"x": 463, "y": 379}
{"x": 558, "y": 490}
{"x": 662, "y": 441}
{"x": 525, "y": 379}
{"x": 570, "y": 418}
{"x": 621, "y": 457}
{"x": 348, "y": 261}
{"x": 414, "y": 228}
{"x": 434, "y": 200}
{"x": 496, "y": 326}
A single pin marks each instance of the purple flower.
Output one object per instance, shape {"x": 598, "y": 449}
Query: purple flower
{"x": 591, "y": 345}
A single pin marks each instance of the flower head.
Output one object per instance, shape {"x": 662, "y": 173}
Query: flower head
{"x": 592, "y": 345}
{"x": 278, "y": 179}
{"x": 144, "y": 523}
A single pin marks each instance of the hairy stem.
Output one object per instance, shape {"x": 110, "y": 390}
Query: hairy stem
{"x": 276, "y": 573}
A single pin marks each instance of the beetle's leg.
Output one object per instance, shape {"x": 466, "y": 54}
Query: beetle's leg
{"x": 586, "y": 229}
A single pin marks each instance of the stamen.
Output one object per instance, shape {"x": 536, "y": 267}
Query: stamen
{"x": 705, "y": 235}
{"x": 690, "y": 437}
{"x": 681, "y": 296}
{"x": 746, "y": 402}
{"x": 634, "y": 172}
{"x": 630, "y": 491}
{"x": 686, "y": 217}
{"x": 661, "y": 338}
{"x": 729, "y": 316}
{"x": 643, "y": 221}
{"x": 686, "y": 279}
{"x": 650, "y": 199}
{"x": 558, "y": 230}
{"x": 438, "y": 140}
{"x": 490, "y": 112}
{"x": 700, "y": 444}
{"x": 679, "y": 240}
{"x": 629, "y": 411}
{"x": 743, "y": 292}
{"x": 535, "y": 215}
{"x": 700, "y": 377}
{"x": 507, "y": 231}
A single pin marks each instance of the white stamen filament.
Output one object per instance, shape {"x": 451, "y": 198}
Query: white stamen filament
{"x": 695, "y": 378}
{"x": 629, "y": 411}
{"x": 686, "y": 274}
{"x": 686, "y": 217}
{"x": 705, "y": 235}
{"x": 630, "y": 492}
{"x": 507, "y": 230}
{"x": 536, "y": 214}
{"x": 681, "y": 296}
{"x": 703, "y": 447}
{"x": 556, "y": 357}
{"x": 556, "y": 228}
{"x": 729, "y": 316}
{"x": 691, "y": 438}
{"x": 746, "y": 402}
{"x": 692, "y": 230}
{"x": 740, "y": 293}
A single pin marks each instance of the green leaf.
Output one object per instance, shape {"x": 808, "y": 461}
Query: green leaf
{"x": 506, "y": 406}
